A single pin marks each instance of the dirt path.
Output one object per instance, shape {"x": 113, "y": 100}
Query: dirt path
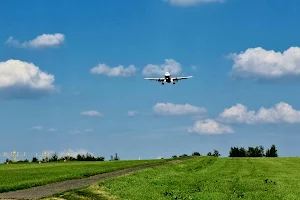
{"x": 54, "y": 188}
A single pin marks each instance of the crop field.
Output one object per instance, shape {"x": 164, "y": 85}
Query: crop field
{"x": 21, "y": 176}
{"x": 203, "y": 178}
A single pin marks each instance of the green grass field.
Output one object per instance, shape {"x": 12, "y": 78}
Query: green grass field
{"x": 204, "y": 178}
{"x": 21, "y": 176}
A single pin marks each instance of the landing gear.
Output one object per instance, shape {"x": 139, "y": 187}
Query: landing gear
{"x": 173, "y": 83}
{"x": 162, "y": 83}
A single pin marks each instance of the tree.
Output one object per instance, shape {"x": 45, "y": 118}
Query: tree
{"x": 242, "y": 152}
{"x": 174, "y": 156}
{"x": 255, "y": 151}
{"x": 79, "y": 157}
{"x": 261, "y": 151}
{"x": 54, "y": 158}
{"x": 216, "y": 153}
{"x": 209, "y": 154}
{"x": 272, "y": 152}
{"x": 34, "y": 159}
{"x": 89, "y": 157}
{"x": 234, "y": 152}
{"x": 100, "y": 159}
{"x": 251, "y": 152}
{"x": 196, "y": 154}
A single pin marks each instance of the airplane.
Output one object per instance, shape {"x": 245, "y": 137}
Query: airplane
{"x": 168, "y": 79}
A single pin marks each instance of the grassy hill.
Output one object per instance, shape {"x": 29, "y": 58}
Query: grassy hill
{"x": 26, "y": 175}
{"x": 204, "y": 178}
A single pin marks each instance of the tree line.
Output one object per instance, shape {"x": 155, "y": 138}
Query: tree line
{"x": 215, "y": 154}
{"x": 55, "y": 158}
{"x": 257, "y": 151}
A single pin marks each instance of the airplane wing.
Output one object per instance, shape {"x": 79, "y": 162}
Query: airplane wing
{"x": 155, "y": 79}
{"x": 180, "y": 78}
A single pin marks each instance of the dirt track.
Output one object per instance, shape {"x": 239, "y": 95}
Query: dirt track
{"x": 54, "y": 188}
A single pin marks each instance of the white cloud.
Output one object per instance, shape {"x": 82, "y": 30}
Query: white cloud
{"x": 81, "y": 131}
{"x": 194, "y": 67}
{"x": 37, "y": 128}
{"x": 210, "y": 126}
{"x": 91, "y": 113}
{"x": 73, "y": 153}
{"x": 190, "y": 2}
{"x": 19, "y": 79}
{"x": 177, "y": 109}
{"x": 169, "y": 65}
{"x": 238, "y": 113}
{"x": 267, "y": 64}
{"x": 281, "y": 113}
{"x": 52, "y": 129}
{"x": 114, "y": 71}
{"x": 42, "y": 41}
{"x": 132, "y": 113}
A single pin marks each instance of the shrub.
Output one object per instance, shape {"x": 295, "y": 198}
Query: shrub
{"x": 196, "y": 154}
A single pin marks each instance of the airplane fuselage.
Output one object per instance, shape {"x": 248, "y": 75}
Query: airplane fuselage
{"x": 168, "y": 79}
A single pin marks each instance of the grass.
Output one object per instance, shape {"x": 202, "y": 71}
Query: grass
{"x": 93, "y": 192}
{"x": 21, "y": 176}
{"x": 204, "y": 178}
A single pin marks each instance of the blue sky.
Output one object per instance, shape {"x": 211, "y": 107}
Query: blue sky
{"x": 244, "y": 90}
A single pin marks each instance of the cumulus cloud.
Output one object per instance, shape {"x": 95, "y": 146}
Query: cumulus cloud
{"x": 280, "y": 113}
{"x": 209, "y": 126}
{"x": 267, "y": 64}
{"x": 73, "y": 153}
{"x": 103, "y": 69}
{"x": 91, "y": 113}
{"x": 132, "y": 113}
{"x": 19, "y": 79}
{"x": 190, "y": 2}
{"x": 42, "y": 41}
{"x": 169, "y": 65}
{"x": 177, "y": 109}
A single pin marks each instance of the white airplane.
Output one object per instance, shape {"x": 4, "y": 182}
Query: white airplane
{"x": 168, "y": 79}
